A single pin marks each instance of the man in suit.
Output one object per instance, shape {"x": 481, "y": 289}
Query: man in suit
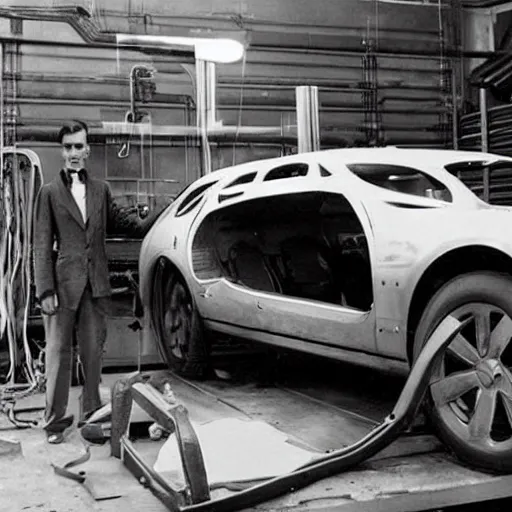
{"x": 73, "y": 214}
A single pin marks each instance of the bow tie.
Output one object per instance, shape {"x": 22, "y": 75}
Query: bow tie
{"x": 81, "y": 173}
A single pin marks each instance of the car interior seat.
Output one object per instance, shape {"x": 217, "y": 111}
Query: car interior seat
{"x": 248, "y": 266}
{"x": 356, "y": 281}
{"x": 307, "y": 269}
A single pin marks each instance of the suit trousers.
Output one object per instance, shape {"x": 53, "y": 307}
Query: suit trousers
{"x": 89, "y": 324}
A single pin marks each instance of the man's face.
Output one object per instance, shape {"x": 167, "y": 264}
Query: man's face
{"x": 75, "y": 149}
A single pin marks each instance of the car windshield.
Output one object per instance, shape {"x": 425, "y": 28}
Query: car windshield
{"x": 401, "y": 179}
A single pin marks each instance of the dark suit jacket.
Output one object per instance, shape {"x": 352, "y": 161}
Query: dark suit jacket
{"x": 81, "y": 247}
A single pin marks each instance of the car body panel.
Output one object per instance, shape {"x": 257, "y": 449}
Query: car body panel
{"x": 271, "y": 312}
{"x": 405, "y": 233}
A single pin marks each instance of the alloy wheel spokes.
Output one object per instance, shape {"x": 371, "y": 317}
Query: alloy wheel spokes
{"x": 481, "y": 421}
{"x": 448, "y": 389}
{"x": 464, "y": 351}
{"x": 505, "y": 390}
{"x": 483, "y": 330}
{"x": 507, "y": 403}
{"x": 500, "y": 337}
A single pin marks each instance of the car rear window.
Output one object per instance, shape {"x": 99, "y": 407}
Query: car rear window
{"x": 401, "y": 179}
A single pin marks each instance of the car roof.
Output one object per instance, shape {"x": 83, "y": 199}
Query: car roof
{"x": 432, "y": 160}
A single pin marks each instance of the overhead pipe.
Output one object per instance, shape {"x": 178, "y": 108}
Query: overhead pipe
{"x": 78, "y": 17}
{"x": 353, "y": 108}
{"x": 324, "y": 84}
{"x": 80, "y": 20}
{"x": 347, "y": 51}
{"x": 24, "y": 100}
{"x": 341, "y": 89}
{"x": 100, "y": 43}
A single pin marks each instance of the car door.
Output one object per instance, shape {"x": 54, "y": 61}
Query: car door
{"x": 228, "y": 305}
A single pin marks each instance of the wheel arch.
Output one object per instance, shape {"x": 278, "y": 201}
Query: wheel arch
{"x": 161, "y": 267}
{"x": 454, "y": 263}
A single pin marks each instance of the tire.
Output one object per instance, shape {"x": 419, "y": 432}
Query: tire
{"x": 469, "y": 401}
{"x": 179, "y": 327}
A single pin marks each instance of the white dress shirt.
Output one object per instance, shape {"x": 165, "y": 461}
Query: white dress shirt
{"x": 78, "y": 192}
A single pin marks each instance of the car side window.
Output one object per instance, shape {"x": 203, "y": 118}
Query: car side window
{"x": 193, "y": 198}
{"x": 242, "y": 180}
{"x": 308, "y": 245}
{"x": 287, "y": 171}
{"x": 399, "y": 178}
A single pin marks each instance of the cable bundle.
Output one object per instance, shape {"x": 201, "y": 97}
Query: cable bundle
{"x": 20, "y": 180}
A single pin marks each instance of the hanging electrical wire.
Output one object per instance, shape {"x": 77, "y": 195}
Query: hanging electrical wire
{"x": 21, "y": 180}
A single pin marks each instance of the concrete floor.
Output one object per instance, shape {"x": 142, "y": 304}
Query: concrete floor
{"x": 29, "y": 484}
{"x": 409, "y": 469}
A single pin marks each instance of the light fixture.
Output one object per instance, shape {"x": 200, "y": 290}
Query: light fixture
{"x": 219, "y": 50}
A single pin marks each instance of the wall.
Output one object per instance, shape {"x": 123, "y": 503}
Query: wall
{"x": 406, "y": 94}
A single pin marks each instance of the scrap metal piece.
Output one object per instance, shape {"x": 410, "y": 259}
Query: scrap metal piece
{"x": 64, "y": 470}
{"x": 121, "y": 408}
{"x": 173, "y": 418}
{"x": 322, "y": 467}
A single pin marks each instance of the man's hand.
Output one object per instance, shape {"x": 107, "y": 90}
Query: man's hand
{"x": 49, "y": 305}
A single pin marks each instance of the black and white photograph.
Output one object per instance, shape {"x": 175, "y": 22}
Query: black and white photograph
{"x": 255, "y": 255}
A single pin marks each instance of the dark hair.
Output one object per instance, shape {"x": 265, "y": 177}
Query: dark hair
{"x": 74, "y": 126}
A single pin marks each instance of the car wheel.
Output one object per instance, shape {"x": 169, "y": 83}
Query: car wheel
{"x": 469, "y": 401}
{"x": 181, "y": 334}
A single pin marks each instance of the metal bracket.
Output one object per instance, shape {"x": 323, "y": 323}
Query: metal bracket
{"x": 173, "y": 418}
{"x": 196, "y": 495}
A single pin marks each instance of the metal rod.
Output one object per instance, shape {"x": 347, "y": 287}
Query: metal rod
{"x": 455, "y": 115}
{"x": 484, "y": 134}
{"x": 486, "y": 184}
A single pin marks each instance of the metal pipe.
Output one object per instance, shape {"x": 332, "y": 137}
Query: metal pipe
{"x": 320, "y": 83}
{"x": 484, "y": 133}
{"x": 425, "y": 54}
{"x": 342, "y": 88}
{"x": 211, "y": 94}
{"x": 308, "y": 125}
{"x": 340, "y": 51}
{"x": 92, "y": 103}
{"x": 205, "y": 95}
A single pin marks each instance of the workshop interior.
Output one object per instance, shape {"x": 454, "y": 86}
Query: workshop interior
{"x": 260, "y": 317}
